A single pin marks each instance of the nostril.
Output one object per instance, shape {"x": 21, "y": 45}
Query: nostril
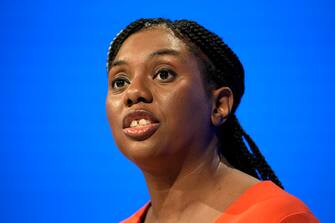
{"x": 130, "y": 102}
{"x": 142, "y": 99}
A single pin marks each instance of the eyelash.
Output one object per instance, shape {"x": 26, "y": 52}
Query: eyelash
{"x": 171, "y": 76}
{"x": 119, "y": 79}
{"x": 169, "y": 71}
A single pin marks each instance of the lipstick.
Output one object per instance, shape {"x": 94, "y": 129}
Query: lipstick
{"x": 140, "y": 124}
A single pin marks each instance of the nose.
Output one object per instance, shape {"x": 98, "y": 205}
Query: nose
{"x": 138, "y": 91}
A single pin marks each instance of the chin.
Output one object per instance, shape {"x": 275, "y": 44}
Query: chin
{"x": 139, "y": 150}
{"x": 149, "y": 156}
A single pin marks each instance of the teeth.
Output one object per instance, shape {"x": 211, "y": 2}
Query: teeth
{"x": 141, "y": 122}
{"x": 133, "y": 123}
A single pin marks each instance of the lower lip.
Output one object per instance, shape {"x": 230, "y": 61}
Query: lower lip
{"x": 141, "y": 133}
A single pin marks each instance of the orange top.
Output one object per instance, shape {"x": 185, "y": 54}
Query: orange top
{"x": 264, "y": 202}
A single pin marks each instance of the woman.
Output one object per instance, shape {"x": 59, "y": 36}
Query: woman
{"x": 173, "y": 91}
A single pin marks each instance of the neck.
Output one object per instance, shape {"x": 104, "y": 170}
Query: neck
{"x": 187, "y": 186}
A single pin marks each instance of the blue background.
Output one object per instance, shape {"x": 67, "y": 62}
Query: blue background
{"x": 58, "y": 161}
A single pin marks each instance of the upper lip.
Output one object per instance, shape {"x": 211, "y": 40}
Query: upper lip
{"x": 137, "y": 115}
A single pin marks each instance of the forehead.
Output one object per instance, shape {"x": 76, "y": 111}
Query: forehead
{"x": 146, "y": 41}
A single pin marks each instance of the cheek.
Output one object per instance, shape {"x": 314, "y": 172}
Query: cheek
{"x": 113, "y": 110}
{"x": 109, "y": 110}
{"x": 188, "y": 105}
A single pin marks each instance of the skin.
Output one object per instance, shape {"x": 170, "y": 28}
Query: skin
{"x": 179, "y": 161}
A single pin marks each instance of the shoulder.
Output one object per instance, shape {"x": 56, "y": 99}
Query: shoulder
{"x": 300, "y": 217}
{"x": 282, "y": 207}
{"x": 266, "y": 202}
{"x": 138, "y": 215}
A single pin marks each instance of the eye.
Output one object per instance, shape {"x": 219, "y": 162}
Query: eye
{"x": 165, "y": 75}
{"x": 119, "y": 83}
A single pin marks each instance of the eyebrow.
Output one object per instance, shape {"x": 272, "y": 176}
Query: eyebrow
{"x": 163, "y": 52}
{"x": 118, "y": 63}
{"x": 160, "y": 52}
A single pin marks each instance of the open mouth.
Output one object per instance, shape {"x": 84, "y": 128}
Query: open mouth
{"x": 140, "y": 124}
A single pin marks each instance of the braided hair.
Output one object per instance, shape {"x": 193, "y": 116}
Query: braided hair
{"x": 221, "y": 68}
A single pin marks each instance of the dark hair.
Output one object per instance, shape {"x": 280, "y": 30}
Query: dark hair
{"x": 223, "y": 68}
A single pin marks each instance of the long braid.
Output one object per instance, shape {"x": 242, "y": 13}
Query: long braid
{"x": 254, "y": 164}
{"x": 233, "y": 148}
{"x": 224, "y": 69}
{"x": 263, "y": 167}
{"x": 228, "y": 67}
{"x": 229, "y": 70}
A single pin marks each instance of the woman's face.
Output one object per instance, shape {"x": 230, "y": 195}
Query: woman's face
{"x": 156, "y": 105}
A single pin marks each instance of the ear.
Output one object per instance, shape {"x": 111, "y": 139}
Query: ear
{"x": 222, "y": 105}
